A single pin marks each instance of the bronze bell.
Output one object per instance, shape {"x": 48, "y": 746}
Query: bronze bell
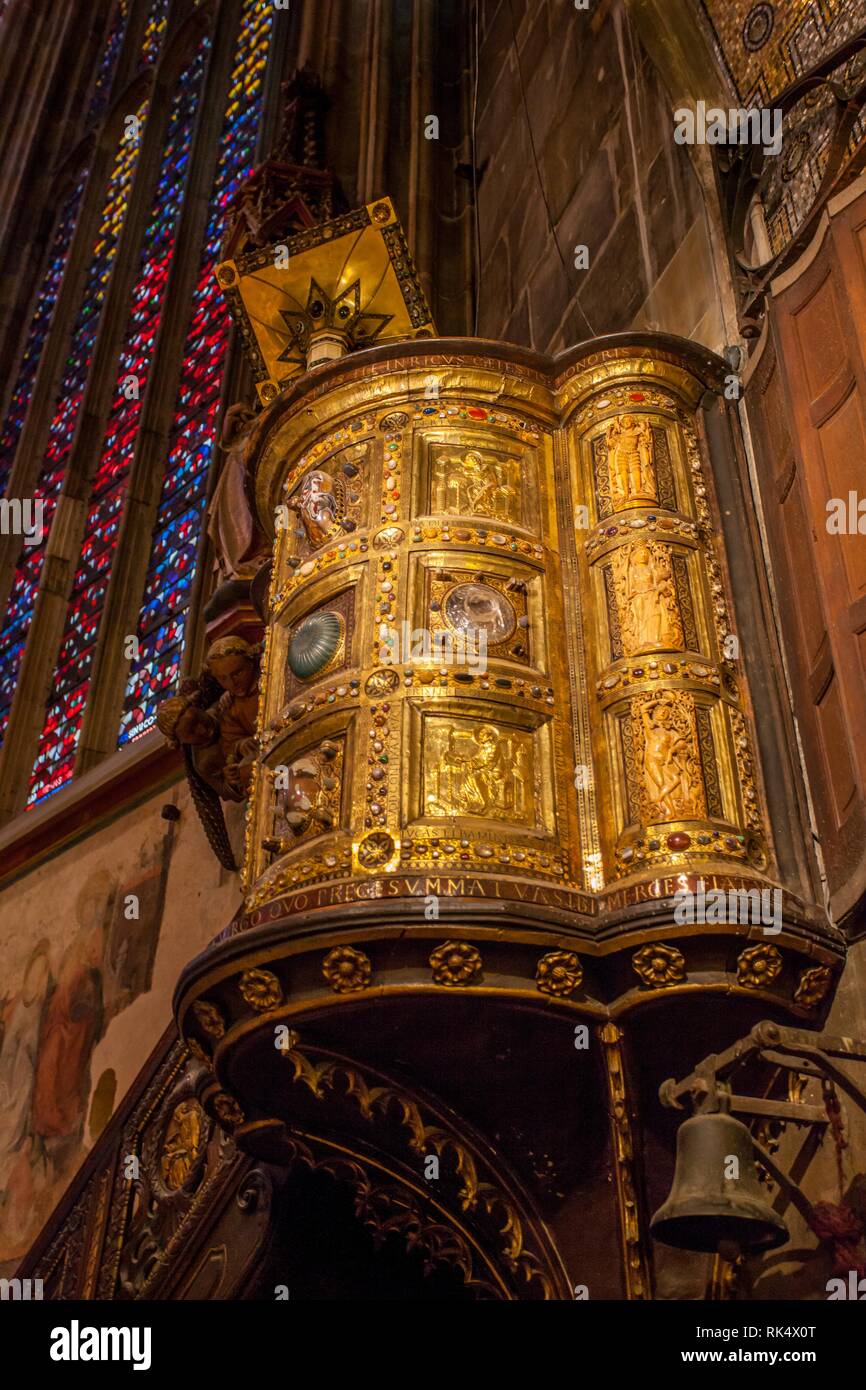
{"x": 706, "y": 1207}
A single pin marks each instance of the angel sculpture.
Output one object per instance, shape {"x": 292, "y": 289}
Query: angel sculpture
{"x": 213, "y": 720}
{"x": 195, "y": 730}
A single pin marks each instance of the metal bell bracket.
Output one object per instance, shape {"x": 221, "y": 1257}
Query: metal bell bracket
{"x": 795, "y": 1050}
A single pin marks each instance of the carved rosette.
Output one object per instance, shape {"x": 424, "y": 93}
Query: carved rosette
{"x": 228, "y": 1110}
{"x": 209, "y": 1018}
{"x": 559, "y": 973}
{"x": 659, "y": 966}
{"x": 813, "y": 986}
{"x": 455, "y": 963}
{"x": 261, "y": 989}
{"x": 346, "y": 969}
{"x": 759, "y": 965}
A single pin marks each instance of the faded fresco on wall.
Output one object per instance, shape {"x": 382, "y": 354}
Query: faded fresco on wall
{"x": 82, "y": 992}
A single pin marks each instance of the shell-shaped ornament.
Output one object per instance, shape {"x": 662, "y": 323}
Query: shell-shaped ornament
{"x": 314, "y": 644}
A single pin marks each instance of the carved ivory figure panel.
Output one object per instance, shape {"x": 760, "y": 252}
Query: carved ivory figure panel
{"x": 630, "y": 461}
{"x": 646, "y": 598}
{"x": 669, "y": 759}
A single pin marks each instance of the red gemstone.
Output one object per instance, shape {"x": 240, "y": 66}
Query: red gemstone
{"x": 679, "y": 840}
{"x": 636, "y": 396}
{"x": 476, "y": 413}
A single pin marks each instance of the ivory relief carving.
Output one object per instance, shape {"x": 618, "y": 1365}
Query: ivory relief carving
{"x": 646, "y": 598}
{"x": 483, "y": 770}
{"x": 669, "y": 760}
{"x": 631, "y": 465}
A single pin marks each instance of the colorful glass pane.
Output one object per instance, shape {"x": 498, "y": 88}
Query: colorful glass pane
{"x": 154, "y": 31}
{"x": 57, "y": 748}
{"x": 25, "y": 582}
{"x": 46, "y": 298}
{"x": 162, "y": 624}
{"x": 108, "y": 61}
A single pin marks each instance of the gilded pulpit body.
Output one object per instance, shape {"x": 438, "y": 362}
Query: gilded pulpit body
{"x": 509, "y": 740}
{"x": 500, "y": 646}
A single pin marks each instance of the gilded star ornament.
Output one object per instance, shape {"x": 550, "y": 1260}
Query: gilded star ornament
{"x": 352, "y": 278}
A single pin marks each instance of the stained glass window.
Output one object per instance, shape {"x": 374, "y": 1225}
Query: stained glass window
{"x": 46, "y": 298}
{"x": 57, "y": 748}
{"x": 25, "y": 582}
{"x": 162, "y": 624}
{"x": 154, "y": 31}
{"x": 108, "y": 61}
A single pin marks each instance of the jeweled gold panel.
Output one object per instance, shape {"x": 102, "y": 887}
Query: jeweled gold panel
{"x": 501, "y": 644}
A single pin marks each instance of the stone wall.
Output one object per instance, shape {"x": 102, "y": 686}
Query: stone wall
{"x": 574, "y": 129}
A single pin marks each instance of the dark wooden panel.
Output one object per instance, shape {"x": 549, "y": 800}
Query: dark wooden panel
{"x": 807, "y": 407}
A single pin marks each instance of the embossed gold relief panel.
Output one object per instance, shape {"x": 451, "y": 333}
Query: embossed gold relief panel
{"x": 470, "y": 476}
{"x": 487, "y": 764}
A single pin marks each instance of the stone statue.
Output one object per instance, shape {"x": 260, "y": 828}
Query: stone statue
{"x": 646, "y": 598}
{"x": 671, "y": 763}
{"x": 630, "y": 460}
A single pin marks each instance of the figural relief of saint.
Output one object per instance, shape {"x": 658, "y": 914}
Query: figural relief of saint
{"x": 646, "y": 598}
{"x": 629, "y": 442}
{"x": 671, "y": 762}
